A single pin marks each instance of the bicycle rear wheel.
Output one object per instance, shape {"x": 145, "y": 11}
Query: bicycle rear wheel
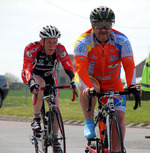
{"x": 57, "y": 133}
{"x": 114, "y": 127}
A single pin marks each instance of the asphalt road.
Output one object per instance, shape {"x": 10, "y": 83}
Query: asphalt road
{"x": 14, "y": 138}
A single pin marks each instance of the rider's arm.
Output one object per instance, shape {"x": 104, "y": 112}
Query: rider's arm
{"x": 130, "y": 71}
{"x": 28, "y": 63}
{"x": 70, "y": 74}
{"x": 63, "y": 57}
{"x": 128, "y": 63}
{"x": 82, "y": 64}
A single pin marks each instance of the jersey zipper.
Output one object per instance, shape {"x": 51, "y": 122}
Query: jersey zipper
{"x": 103, "y": 51}
{"x": 103, "y": 58}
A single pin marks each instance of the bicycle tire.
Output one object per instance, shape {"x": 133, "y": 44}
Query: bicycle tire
{"x": 113, "y": 119}
{"x": 51, "y": 131}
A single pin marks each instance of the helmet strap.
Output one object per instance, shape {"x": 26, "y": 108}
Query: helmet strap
{"x": 43, "y": 44}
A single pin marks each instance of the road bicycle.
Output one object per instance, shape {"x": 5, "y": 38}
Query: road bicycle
{"x": 105, "y": 119}
{"x": 51, "y": 120}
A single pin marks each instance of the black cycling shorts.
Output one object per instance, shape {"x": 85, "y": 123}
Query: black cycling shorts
{"x": 51, "y": 81}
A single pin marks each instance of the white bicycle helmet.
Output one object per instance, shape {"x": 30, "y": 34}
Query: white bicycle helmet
{"x": 49, "y": 32}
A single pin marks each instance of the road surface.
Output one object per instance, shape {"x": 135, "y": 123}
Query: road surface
{"x": 14, "y": 138}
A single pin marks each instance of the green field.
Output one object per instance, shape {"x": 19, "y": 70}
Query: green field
{"x": 71, "y": 110}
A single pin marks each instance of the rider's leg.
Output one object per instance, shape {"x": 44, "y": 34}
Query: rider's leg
{"x": 36, "y": 127}
{"x": 84, "y": 105}
{"x": 89, "y": 121}
{"x": 37, "y": 107}
{"x": 115, "y": 140}
{"x": 120, "y": 108}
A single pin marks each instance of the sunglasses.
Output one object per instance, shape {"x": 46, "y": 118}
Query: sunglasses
{"x": 102, "y": 25}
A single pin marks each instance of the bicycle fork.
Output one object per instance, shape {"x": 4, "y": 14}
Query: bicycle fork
{"x": 108, "y": 133}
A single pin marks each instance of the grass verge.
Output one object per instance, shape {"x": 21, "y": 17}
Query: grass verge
{"x": 72, "y": 111}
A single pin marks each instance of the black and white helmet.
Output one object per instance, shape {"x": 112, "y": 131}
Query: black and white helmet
{"x": 49, "y": 32}
{"x": 102, "y": 13}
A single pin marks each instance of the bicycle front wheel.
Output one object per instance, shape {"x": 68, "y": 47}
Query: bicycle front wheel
{"x": 113, "y": 134}
{"x": 58, "y": 142}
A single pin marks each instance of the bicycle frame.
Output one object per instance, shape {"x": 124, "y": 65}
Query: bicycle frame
{"x": 109, "y": 108}
{"x": 46, "y": 138}
{"x": 107, "y": 111}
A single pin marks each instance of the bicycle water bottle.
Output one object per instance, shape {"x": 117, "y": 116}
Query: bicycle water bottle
{"x": 101, "y": 125}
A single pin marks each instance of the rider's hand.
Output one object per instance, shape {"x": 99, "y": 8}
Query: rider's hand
{"x": 132, "y": 89}
{"x": 86, "y": 91}
{"x": 33, "y": 86}
{"x": 74, "y": 87}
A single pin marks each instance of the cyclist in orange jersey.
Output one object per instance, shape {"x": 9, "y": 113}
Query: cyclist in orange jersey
{"x": 99, "y": 52}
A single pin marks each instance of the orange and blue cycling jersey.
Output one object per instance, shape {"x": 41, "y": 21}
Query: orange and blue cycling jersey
{"x": 104, "y": 62}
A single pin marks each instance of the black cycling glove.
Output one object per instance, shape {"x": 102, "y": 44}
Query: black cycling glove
{"x": 132, "y": 89}
{"x": 74, "y": 87}
{"x": 34, "y": 86}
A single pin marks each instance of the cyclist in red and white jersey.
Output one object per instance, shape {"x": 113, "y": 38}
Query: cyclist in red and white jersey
{"x": 98, "y": 55}
{"x": 40, "y": 59}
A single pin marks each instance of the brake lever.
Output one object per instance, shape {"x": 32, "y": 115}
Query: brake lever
{"x": 76, "y": 93}
{"x": 37, "y": 94}
{"x": 137, "y": 100}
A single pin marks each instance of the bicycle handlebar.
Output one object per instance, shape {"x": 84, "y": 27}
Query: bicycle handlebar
{"x": 107, "y": 94}
{"x": 100, "y": 94}
{"x": 52, "y": 88}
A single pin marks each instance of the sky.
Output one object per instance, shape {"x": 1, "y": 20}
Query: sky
{"x": 21, "y": 21}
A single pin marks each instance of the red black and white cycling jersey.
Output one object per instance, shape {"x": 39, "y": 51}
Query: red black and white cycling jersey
{"x": 37, "y": 62}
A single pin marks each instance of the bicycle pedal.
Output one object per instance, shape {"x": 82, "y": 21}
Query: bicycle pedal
{"x": 37, "y": 138}
{"x": 86, "y": 150}
{"x": 38, "y": 135}
{"x": 32, "y": 139}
